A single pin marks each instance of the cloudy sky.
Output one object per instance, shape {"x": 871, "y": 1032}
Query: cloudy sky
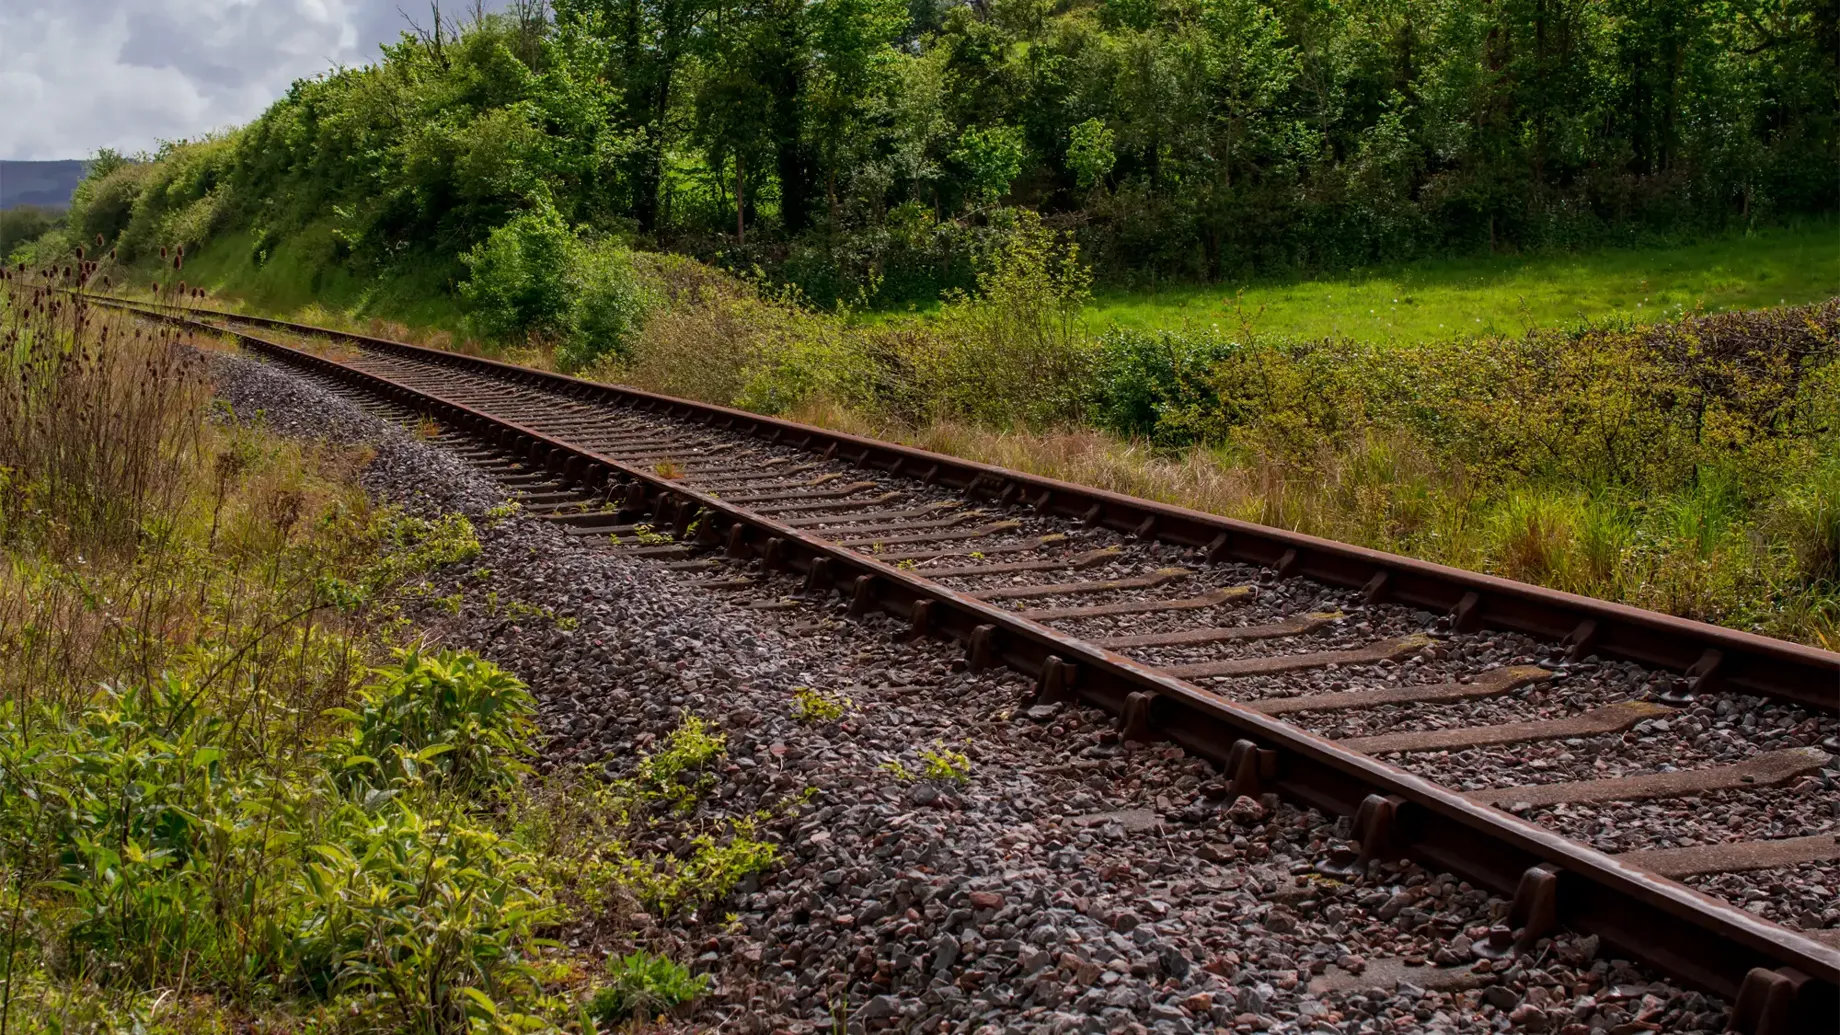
{"x": 76, "y": 75}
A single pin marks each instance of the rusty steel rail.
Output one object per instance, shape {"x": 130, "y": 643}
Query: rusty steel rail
{"x": 1780, "y": 980}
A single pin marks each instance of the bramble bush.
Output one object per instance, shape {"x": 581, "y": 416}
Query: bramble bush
{"x": 1685, "y": 466}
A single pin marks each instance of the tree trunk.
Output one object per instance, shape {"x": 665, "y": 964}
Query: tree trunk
{"x": 784, "y": 78}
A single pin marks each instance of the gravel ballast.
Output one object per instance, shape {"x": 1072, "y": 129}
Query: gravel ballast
{"x": 1072, "y": 883}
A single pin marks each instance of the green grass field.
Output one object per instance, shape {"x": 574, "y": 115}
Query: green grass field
{"x": 1449, "y": 298}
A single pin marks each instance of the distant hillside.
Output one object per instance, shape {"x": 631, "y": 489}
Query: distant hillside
{"x": 39, "y": 183}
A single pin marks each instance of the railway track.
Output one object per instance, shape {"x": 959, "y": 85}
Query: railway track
{"x": 1559, "y": 750}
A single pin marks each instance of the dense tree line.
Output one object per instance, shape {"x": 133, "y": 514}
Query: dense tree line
{"x": 883, "y": 143}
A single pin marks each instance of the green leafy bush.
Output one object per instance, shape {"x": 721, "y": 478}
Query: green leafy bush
{"x": 449, "y": 719}
{"x": 991, "y": 157}
{"x": 105, "y": 201}
{"x": 607, "y": 308}
{"x": 518, "y": 277}
{"x": 1157, "y": 384}
{"x": 23, "y": 224}
{"x": 533, "y": 275}
{"x": 419, "y": 924}
{"x": 642, "y": 985}
{"x": 1015, "y": 354}
{"x": 1090, "y": 152}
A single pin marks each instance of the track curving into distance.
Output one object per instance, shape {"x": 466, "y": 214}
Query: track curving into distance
{"x": 1500, "y": 731}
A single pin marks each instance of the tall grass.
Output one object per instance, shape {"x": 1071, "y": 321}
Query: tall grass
{"x": 91, "y": 418}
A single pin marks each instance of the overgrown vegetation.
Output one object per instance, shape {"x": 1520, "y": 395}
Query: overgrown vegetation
{"x": 645, "y": 840}
{"x": 225, "y": 793}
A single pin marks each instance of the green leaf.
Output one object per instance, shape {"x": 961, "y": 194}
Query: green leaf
{"x": 483, "y": 1001}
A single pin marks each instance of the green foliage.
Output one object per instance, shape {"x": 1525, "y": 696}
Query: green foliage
{"x": 104, "y": 203}
{"x": 814, "y": 707}
{"x": 648, "y": 839}
{"x": 607, "y": 305}
{"x": 1807, "y": 515}
{"x": 518, "y": 278}
{"x": 1090, "y": 155}
{"x": 164, "y": 843}
{"x": 411, "y": 545}
{"x": 420, "y": 925}
{"x": 942, "y": 763}
{"x": 1157, "y": 385}
{"x": 446, "y": 719}
{"x": 938, "y": 763}
{"x": 991, "y": 157}
{"x": 1683, "y": 466}
{"x": 1016, "y": 352}
{"x": 24, "y": 224}
{"x": 708, "y": 871}
{"x": 679, "y": 770}
{"x": 203, "y": 787}
{"x": 642, "y": 985}
{"x": 856, "y": 148}
{"x": 534, "y": 276}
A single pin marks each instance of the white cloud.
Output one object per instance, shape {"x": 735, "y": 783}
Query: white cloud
{"x": 76, "y": 75}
